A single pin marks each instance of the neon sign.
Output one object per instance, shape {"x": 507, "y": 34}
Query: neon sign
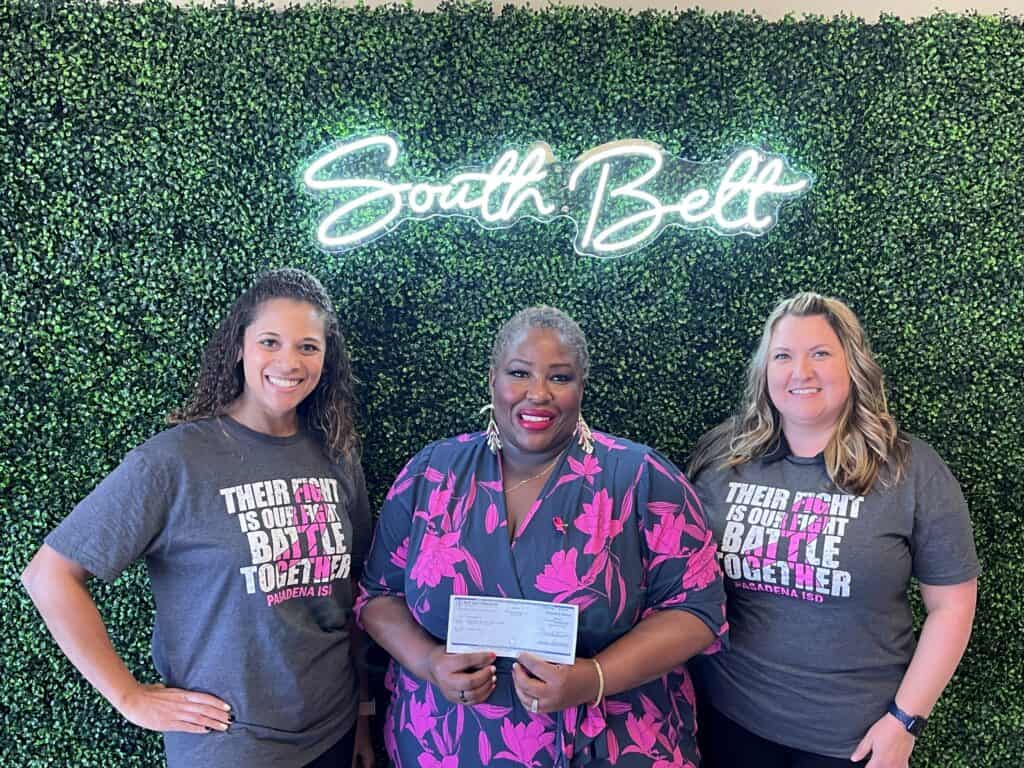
{"x": 615, "y": 193}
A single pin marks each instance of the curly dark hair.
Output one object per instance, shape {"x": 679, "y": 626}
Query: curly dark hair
{"x": 327, "y": 412}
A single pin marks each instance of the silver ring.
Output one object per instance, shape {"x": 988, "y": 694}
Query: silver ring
{"x": 535, "y": 705}
{"x": 462, "y": 696}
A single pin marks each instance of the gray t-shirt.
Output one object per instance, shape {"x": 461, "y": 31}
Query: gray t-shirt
{"x": 250, "y": 542}
{"x": 819, "y": 619}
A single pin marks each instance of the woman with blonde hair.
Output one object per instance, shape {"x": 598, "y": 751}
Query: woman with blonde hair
{"x": 824, "y": 510}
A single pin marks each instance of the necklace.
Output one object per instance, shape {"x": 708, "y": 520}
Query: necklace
{"x": 547, "y": 468}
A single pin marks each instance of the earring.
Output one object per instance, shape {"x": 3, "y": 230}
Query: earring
{"x": 585, "y": 436}
{"x": 493, "y": 439}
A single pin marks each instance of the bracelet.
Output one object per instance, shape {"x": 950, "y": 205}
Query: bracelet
{"x": 368, "y": 708}
{"x": 600, "y": 682}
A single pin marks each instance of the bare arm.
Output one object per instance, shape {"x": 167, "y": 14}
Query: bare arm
{"x": 464, "y": 678}
{"x": 944, "y": 636}
{"x": 57, "y": 586}
{"x": 943, "y": 641}
{"x": 661, "y": 642}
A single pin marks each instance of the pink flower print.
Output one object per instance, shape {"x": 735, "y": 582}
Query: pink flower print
{"x": 401, "y": 482}
{"x": 587, "y": 469}
{"x": 607, "y": 442}
{"x": 661, "y": 508}
{"x": 643, "y": 732}
{"x": 658, "y": 466}
{"x": 437, "y": 558}
{"x": 390, "y": 742}
{"x": 702, "y": 567}
{"x": 420, "y": 720}
{"x": 597, "y": 521}
{"x": 665, "y": 537}
{"x": 559, "y": 576}
{"x": 429, "y": 761}
{"x": 437, "y": 505}
{"x": 401, "y": 555}
{"x": 613, "y": 748}
{"x": 491, "y": 518}
{"x": 677, "y": 761}
{"x": 559, "y": 524}
{"x": 399, "y": 486}
{"x": 527, "y": 518}
{"x": 524, "y": 741}
{"x": 593, "y": 723}
{"x": 484, "y": 747}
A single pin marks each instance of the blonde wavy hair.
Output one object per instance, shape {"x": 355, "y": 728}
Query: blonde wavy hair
{"x": 866, "y": 447}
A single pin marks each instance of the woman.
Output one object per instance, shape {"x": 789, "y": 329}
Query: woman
{"x": 541, "y": 508}
{"x": 824, "y": 511}
{"x": 250, "y": 513}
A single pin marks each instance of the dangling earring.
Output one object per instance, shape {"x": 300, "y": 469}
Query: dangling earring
{"x": 585, "y": 436}
{"x": 493, "y": 439}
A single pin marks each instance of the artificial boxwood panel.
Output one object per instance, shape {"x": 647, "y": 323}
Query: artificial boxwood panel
{"x": 149, "y": 168}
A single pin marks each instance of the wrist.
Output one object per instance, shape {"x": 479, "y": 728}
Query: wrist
{"x": 427, "y": 672}
{"x": 367, "y": 708}
{"x": 121, "y": 695}
{"x": 912, "y": 724}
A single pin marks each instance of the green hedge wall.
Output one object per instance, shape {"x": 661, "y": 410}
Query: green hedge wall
{"x": 149, "y": 168}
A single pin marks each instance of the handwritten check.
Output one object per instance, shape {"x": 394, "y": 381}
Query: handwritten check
{"x": 509, "y": 627}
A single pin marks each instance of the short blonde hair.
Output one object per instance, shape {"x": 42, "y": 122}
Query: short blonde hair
{"x": 866, "y": 437}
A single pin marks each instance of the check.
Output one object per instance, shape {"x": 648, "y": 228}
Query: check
{"x": 508, "y": 627}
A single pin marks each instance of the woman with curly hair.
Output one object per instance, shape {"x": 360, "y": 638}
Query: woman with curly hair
{"x": 252, "y": 516}
{"x": 824, "y": 510}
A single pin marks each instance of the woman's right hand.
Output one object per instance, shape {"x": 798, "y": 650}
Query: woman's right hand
{"x": 160, "y": 708}
{"x": 463, "y": 678}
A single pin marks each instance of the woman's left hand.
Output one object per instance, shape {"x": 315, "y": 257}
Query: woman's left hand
{"x": 888, "y": 742}
{"x": 546, "y": 687}
{"x": 362, "y": 756}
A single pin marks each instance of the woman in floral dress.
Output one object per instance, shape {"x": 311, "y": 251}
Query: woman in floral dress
{"x": 541, "y": 508}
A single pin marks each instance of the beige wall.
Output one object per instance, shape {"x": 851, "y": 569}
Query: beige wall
{"x": 770, "y": 9}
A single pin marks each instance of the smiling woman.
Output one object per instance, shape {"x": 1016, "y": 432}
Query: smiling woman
{"x": 282, "y": 356}
{"x": 824, "y": 510}
{"x": 539, "y": 507}
{"x": 252, "y": 516}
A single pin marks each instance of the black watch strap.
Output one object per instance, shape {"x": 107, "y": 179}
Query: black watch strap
{"x": 913, "y": 723}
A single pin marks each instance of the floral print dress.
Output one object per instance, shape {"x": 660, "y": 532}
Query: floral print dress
{"x": 620, "y": 533}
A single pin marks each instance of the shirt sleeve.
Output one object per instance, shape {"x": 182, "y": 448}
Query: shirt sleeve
{"x": 121, "y": 520}
{"x": 359, "y": 515}
{"x": 384, "y": 572}
{"x": 943, "y": 541}
{"x": 681, "y": 556}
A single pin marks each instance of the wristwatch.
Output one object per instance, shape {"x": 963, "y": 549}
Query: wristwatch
{"x": 913, "y": 723}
